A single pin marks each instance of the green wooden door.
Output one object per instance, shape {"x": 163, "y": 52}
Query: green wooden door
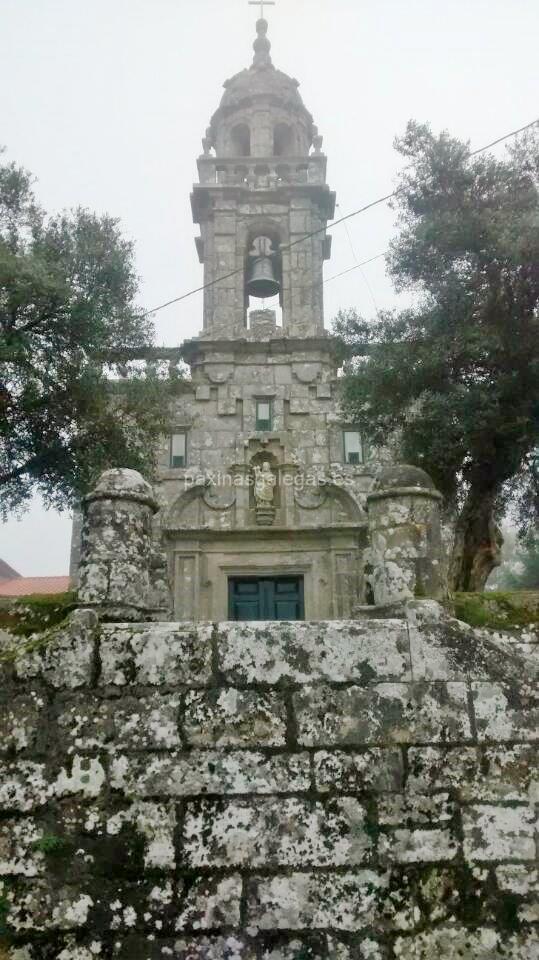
{"x": 265, "y": 598}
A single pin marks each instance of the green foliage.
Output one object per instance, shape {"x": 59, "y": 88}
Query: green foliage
{"x": 453, "y": 380}
{"x": 494, "y": 609}
{"x": 53, "y": 846}
{"x": 37, "y": 613}
{"x": 67, "y": 302}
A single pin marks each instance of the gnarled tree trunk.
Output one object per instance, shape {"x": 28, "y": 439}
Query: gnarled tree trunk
{"x": 477, "y": 544}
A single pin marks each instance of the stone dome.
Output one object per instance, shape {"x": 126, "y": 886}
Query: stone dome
{"x": 261, "y": 79}
{"x": 121, "y": 482}
{"x": 403, "y": 475}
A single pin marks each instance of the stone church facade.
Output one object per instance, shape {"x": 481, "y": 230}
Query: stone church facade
{"x": 263, "y": 397}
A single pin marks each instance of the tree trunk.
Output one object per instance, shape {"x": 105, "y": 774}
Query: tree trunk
{"x": 477, "y": 544}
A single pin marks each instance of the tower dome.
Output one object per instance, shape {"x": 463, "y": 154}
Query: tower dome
{"x": 262, "y": 204}
{"x": 282, "y": 124}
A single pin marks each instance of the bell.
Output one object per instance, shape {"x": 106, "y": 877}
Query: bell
{"x": 262, "y": 281}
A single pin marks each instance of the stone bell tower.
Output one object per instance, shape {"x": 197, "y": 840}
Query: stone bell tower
{"x": 262, "y": 190}
{"x": 262, "y": 487}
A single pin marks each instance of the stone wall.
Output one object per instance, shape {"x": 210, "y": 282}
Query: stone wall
{"x": 356, "y": 790}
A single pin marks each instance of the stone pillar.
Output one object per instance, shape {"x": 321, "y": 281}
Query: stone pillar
{"x": 405, "y": 536}
{"x": 74, "y": 557}
{"x": 116, "y": 552}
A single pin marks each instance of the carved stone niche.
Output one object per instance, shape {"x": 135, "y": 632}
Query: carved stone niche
{"x": 264, "y": 487}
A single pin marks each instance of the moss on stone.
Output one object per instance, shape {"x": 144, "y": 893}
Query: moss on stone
{"x": 37, "y": 613}
{"x": 507, "y": 919}
{"x": 53, "y": 846}
{"x": 4, "y": 911}
{"x": 495, "y": 610}
{"x": 34, "y": 622}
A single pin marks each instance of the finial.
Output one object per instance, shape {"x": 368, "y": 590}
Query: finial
{"x": 317, "y": 140}
{"x": 207, "y": 142}
{"x": 261, "y": 46}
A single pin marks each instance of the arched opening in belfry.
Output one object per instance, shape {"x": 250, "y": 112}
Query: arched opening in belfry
{"x": 240, "y": 140}
{"x": 283, "y": 140}
{"x": 264, "y": 273}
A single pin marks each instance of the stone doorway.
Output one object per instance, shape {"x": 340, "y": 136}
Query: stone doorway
{"x": 265, "y": 598}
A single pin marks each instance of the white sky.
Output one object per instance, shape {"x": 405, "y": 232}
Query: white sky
{"x": 106, "y": 102}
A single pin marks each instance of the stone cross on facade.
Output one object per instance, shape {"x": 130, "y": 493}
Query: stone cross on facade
{"x": 261, "y": 4}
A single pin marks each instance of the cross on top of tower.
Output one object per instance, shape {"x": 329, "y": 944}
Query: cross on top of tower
{"x": 261, "y": 4}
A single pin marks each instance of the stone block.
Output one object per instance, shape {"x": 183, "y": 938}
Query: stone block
{"x": 302, "y": 652}
{"x": 418, "y": 846}
{"x": 23, "y": 786}
{"x": 209, "y": 903}
{"x": 203, "y": 392}
{"x": 302, "y": 901}
{"x": 156, "y": 825}
{"x": 226, "y": 407}
{"x": 130, "y": 723}
{"x": 453, "y": 942}
{"x": 85, "y": 776}
{"x": 382, "y": 713}
{"x": 323, "y": 391}
{"x": 211, "y": 771}
{"x": 20, "y": 721}
{"x": 18, "y": 853}
{"x": 300, "y": 405}
{"x": 519, "y": 878}
{"x": 499, "y": 833}
{"x": 67, "y": 660}
{"x": 506, "y": 711}
{"x": 315, "y": 947}
{"x": 163, "y": 653}
{"x": 377, "y": 770}
{"x": 494, "y": 773}
{"x": 276, "y": 832}
{"x": 399, "y": 809}
{"x": 446, "y": 649}
{"x": 227, "y": 947}
{"x": 231, "y": 717}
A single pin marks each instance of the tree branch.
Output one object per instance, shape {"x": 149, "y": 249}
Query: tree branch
{"x": 19, "y": 471}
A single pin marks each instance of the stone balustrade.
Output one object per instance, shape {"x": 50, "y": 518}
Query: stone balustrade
{"x": 258, "y": 174}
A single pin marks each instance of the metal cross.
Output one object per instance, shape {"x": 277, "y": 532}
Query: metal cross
{"x": 261, "y": 4}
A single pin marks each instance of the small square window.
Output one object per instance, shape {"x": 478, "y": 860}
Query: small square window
{"x": 353, "y": 447}
{"x": 178, "y": 450}
{"x": 264, "y": 415}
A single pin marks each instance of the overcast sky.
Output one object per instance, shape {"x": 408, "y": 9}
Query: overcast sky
{"x": 106, "y": 102}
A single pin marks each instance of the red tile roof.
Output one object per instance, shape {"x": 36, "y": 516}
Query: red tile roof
{"x": 7, "y": 572}
{"x": 24, "y": 586}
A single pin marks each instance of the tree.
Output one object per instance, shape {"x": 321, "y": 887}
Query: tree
{"x": 67, "y": 301}
{"x": 453, "y": 380}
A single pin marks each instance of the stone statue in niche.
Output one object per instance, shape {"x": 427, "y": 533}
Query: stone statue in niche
{"x": 264, "y": 492}
{"x": 264, "y": 484}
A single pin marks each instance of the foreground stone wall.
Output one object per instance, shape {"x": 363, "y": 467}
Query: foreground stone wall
{"x": 358, "y": 790}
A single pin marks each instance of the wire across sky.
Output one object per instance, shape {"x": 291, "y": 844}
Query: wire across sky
{"x": 330, "y": 226}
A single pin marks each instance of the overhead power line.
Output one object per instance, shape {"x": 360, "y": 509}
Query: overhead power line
{"x": 330, "y": 226}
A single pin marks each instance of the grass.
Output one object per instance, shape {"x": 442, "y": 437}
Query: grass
{"x": 494, "y": 609}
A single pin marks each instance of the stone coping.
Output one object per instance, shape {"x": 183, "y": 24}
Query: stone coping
{"x": 396, "y": 492}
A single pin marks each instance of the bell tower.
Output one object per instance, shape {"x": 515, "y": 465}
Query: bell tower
{"x": 262, "y": 204}
{"x": 263, "y": 491}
